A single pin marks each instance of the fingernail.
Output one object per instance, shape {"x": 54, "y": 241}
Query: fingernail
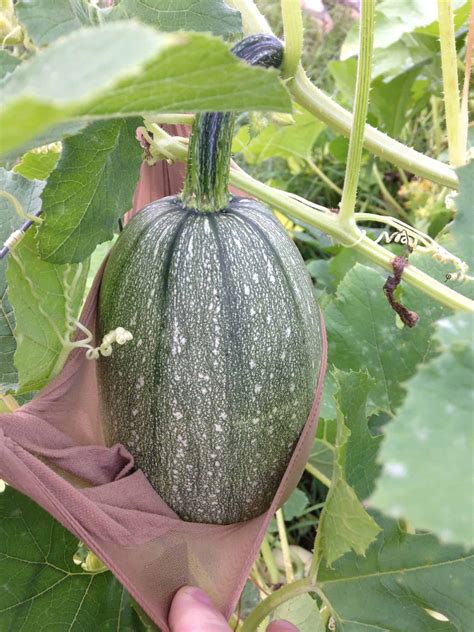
{"x": 201, "y": 596}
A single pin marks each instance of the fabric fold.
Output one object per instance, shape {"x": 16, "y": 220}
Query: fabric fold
{"x": 52, "y": 449}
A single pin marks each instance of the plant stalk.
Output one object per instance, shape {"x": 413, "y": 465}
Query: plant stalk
{"x": 340, "y": 120}
{"x": 269, "y": 560}
{"x": 285, "y": 549}
{"x": 298, "y": 208}
{"x": 293, "y": 33}
{"x": 268, "y": 605}
{"x": 467, "y": 78}
{"x": 449, "y": 66}
{"x": 361, "y": 106}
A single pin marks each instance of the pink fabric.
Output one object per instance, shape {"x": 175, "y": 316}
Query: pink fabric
{"x": 52, "y": 449}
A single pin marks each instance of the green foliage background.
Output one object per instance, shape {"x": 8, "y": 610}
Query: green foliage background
{"x": 395, "y": 439}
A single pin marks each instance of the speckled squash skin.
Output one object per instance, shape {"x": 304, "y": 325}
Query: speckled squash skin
{"x": 213, "y": 391}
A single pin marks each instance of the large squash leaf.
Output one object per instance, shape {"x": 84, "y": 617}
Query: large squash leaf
{"x": 362, "y": 335}
{"x": 399, "y": 581}
{"x": 42, "y": 295}
{"x": 129, "y": 69}
{"x": 46, "y": 20}
{"x": 27, "y": 193}
{"x": 427, "y": 452}
{"x": 90, "y": 189}
{"x": 188, "y": 15}
{"x": 42, "y": 588}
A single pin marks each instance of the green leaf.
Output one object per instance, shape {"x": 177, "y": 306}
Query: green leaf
{"x": 428, "y": 448}
{"x": 401, "y": 577}
{"x": 295, "y": 505}
{"x": 394, "y": 18}
{"x": 37, "y": 165}
{"x": 128, "y": 69}
{"x": 46, "y": 20}
{"x": 91, "y": 188}
{"x": 361, "y": 448}
{"x": 187, "y": 15}
{"x": 322, "y": 457}
{"x": 42, "y": 589}
{"x": 302, "y": 611}
{"x": 344, "y": 523}
{"x": 27, "y": 193}
{"x": 8, "y": 63}
{"x": 462, "y": 229}
{"x": 284, "y": 141}
{"x": 390, "y": 100}
{"x": 42, "y": 294}
{"x": 362, "y": 335}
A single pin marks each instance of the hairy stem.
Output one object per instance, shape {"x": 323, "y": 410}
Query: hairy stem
{"x": 340, "y": 120}
{"x": 361, "y": 105}
{"x": 467, "y": 78}
{"x": 449, "y": 66}
{"x": 293, "y": 32}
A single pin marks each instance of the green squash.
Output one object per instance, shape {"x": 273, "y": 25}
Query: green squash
{"x": 213, "y": 391}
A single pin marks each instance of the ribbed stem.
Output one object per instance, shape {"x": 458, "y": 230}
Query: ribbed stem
{"x": 210, "y": 145}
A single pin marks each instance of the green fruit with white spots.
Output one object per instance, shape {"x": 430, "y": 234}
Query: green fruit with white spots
{"x": 213, "y": 391}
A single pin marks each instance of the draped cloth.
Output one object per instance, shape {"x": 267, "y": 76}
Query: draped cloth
{"x": 52, "y": 449}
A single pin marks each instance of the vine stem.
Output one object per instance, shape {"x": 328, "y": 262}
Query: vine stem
{"x": 268, "y": 605}
{"x": 285, "y": 549}
{"x": 293, "y": 34}
{"x": 269, "y": 560}
{"x": 467, "y": 77}
{"x": 449, "y": 67}
{"x": 340, "y": 120}
{"x": 326, "y": 221}
{"x": 361, "y": 106}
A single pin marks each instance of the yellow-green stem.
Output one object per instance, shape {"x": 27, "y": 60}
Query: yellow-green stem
{"x": 269, "y": 560}
{"x": 327, "y": 222}
{"x": 388, "y": 197}
{"x": 467, "y": 78}
{"x": 318, "y": 475}
{"x": 285, "y": 549}
{"x": 449, "y": 68}
{"x": 268, "y": 605}
{"x": 293, "y": 33}
{"x": 340, "y": 120}
{"x": 361, "y": 105}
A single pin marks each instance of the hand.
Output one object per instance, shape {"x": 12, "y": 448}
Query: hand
{"x": 193, "y": 611}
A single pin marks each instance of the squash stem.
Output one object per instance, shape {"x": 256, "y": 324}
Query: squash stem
{"x": 210, "y": 145}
